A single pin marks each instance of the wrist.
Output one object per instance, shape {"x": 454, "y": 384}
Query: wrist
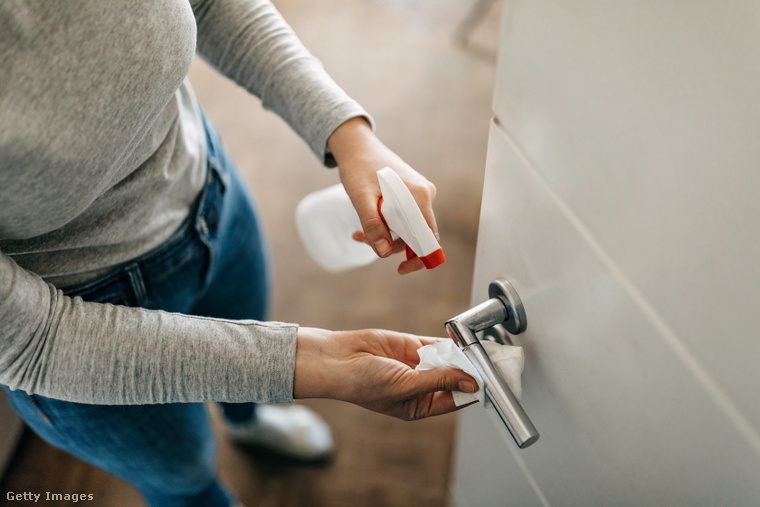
{"x": 351, "y": 139}
{"x": 315, "y": 364}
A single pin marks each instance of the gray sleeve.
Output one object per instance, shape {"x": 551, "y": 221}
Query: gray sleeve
{"x": 68, "y": 349}
{"x": 249, "y": 42}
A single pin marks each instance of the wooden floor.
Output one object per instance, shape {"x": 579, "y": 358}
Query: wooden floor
{"x": 431, "y": 99}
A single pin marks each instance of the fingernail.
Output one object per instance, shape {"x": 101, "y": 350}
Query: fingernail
{"x": 382, "y": 246}
{"x": 467, "y": 387}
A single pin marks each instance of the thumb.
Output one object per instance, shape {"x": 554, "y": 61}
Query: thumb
{"x": 376, "y": 231}
{"x": 445, "y": 379}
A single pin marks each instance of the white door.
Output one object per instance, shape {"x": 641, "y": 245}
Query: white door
{"x": 622, "y": 200}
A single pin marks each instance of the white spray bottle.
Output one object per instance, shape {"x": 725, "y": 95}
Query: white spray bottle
{"x": 403, "y": 217}
{"x": 326, "y": 221}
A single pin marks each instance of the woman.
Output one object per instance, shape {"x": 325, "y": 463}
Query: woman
{"x": 133, "y": 278}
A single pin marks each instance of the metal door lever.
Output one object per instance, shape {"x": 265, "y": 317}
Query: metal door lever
{"x": 504, "y": 308}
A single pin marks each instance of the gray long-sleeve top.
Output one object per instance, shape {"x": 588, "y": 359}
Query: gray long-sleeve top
{"x": 102, "y": 153}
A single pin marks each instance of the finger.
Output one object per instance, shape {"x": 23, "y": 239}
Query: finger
{"x": 375, "y": 231}
{"x": 360, "y": 237}
{"x": 412, "y": 344}
{"x": 405, "y": 346}
{"x": 378, "y": 236}
{"x": 444, "y": 379}
{"x": 427, "y": 212}
{"x": 425, "y": 200}
{"x": 433, "y": 404}
{"x": 398, "y": 244}
{"x": 410, "y": 266}
{"x": 365, "y": 193}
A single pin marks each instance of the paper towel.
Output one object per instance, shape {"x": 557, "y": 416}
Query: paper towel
{"x": 446, "y": 354}
{"x": 508, "y": 359}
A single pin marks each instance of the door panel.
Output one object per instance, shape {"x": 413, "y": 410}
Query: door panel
{"x": 644, "y": 117}
{"x": 481, "y": 472}
{"x": 623, "y": 420}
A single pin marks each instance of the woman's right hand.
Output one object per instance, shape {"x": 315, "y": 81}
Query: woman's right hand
{"x": 375, "y": 370}
{"x": 360, "y": 154}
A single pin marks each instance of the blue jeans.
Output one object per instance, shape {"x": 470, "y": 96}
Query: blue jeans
{"x": 215, "y": 266}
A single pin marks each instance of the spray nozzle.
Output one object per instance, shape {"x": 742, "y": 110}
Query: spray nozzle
{"x": 403, "y": 217}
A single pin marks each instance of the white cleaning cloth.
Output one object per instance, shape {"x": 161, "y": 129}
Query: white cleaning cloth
{"x": 445, "y": 354}
{"x": 508, "y": 359}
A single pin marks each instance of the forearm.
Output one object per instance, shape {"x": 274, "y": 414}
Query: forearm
{"x": 97, "y": 353}
{"x": 248, "y": 41}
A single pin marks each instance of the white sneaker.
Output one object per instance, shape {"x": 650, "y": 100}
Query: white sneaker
{"x": 293, "y": 432}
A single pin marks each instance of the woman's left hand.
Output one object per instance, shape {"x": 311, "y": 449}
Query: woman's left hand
{"x": 375, "y": 369}
{"x": 360, "y": 154}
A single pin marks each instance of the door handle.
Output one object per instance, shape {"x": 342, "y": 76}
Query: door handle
{"x": 503, "y": 308}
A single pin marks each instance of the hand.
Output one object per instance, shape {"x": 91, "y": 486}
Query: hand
{"x": 360, "y": 155}
{"x": 375, "y": 370}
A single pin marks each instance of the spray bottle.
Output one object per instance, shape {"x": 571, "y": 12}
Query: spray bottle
{"x": 326, "y": 221}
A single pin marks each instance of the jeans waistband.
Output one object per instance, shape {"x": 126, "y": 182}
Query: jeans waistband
{"x": 126, "y": 285}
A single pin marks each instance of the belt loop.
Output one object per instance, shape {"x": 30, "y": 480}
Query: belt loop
{"x": 216, "y": 167}
{"x": 138, "y": 284}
